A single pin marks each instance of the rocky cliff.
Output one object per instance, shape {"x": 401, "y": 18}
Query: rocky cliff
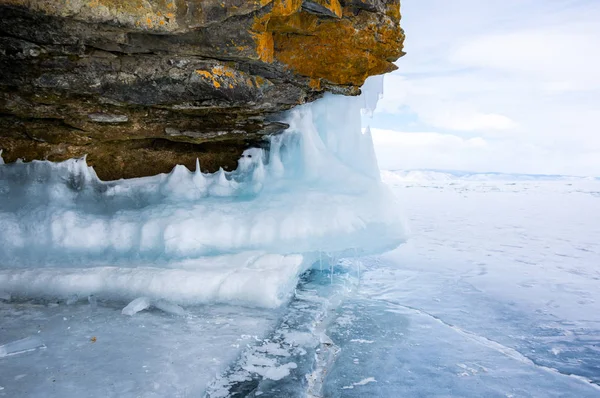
{"x": 142, "y": 85}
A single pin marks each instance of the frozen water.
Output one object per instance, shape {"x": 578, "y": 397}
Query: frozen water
{"x": 188, "y": 237}
{"x": 20, "y": 346}
{"x": 246, "y": 278}
{"x": 169, "y": 308}
{"x": 101, "y": 353}
{"x": 137, "y": 305}
{"x": 497, "y": 293}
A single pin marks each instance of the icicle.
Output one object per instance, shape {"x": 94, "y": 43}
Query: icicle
{"x": 276, "y": 168}
{"x": 331, "y": 265}
{"x": 222, "y": 178}
{"x": 1, "y": 159}
{"x": 199, "y": 180}
{"x": 73, "y": 299}
{"x": 93, "y": 301}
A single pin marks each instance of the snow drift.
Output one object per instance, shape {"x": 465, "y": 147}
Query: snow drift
{"x": 243, "y": 236}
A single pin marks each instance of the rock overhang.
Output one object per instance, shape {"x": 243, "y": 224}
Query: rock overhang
{"x": 140, "y": 85}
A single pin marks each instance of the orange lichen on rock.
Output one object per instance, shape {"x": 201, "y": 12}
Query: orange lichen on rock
{"x": 264, "y": 46}
{"x": 332, "y": 6}
{"x": 226, "y": 77}
{"x": 221, "y": 70}
{"x": 285, "y": 7}
{"x": 204, "y": 73}
{"x": 315, "y": 84}
{"x": 343, "y": 52}
{"x": 209, "y": 76}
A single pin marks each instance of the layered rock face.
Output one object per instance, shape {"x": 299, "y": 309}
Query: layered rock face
{"x": 142, "y": 85}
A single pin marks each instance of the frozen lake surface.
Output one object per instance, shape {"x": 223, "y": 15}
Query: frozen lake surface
{"x": 497, "y": 293}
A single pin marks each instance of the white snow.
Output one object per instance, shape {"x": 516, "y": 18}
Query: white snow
{"x": 189, "y": 237}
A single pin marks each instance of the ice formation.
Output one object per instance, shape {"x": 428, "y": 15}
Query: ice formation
{"x": 189, "y": 237}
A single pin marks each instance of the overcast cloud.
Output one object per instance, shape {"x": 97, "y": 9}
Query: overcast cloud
{"x": 510, "y": 86}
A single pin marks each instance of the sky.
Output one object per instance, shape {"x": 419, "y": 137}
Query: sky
{"x": 509, "y": 86}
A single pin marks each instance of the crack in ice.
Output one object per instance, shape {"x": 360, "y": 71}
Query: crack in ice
{"x": 498, "y": 347}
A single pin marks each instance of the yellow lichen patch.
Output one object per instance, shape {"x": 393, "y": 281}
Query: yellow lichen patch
{"x": 393, "y": 11}
{"x": 260, "y": 23}
{"x": 212, "y": 77}
{"x": 204, "y": 73}
{"x": 301, "y": 23}
{"x": 336, "y": 50}
{"x": 332, "y": 5}
{"x": 221, "y": 70}
{"x": 285, "y": 7}
{"x": 315, "y": 84}
{"x": 264, "y": 46}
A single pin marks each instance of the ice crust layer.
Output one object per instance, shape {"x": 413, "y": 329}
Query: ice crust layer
{"x": 188, "y": 237}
